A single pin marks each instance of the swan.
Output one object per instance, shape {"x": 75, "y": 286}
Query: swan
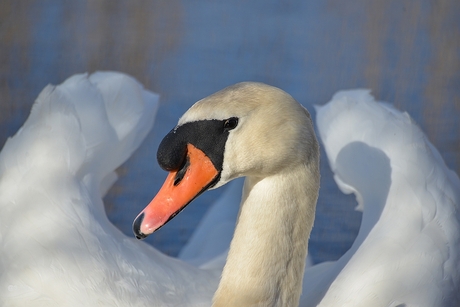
{"x": 407, "y": 252}
{"x": 259, "y": 132}
{"x": 57, "y": 247}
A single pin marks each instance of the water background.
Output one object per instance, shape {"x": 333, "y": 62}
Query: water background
{"x": 407, "y": 52}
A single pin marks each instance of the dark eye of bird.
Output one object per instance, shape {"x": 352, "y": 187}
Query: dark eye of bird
{"x": 230, "y": 123}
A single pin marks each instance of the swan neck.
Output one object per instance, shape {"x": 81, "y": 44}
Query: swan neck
{"x": 266, "y": 260}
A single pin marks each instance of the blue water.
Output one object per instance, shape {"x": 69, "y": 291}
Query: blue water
{"x": 186, "y": 50}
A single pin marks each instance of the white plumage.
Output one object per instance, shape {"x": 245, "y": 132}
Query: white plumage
{"x": 59, "y": 249}
{"x": 407, "y": 252}
{"x": 57, "y": 246}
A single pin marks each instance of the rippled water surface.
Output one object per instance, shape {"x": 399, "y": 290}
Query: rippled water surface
{"x": 406, "y": 52}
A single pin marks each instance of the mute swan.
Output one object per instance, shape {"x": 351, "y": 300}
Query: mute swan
{"x": 57, "y": 246}
{"x": 407, "y": 249}
{"x": 59, "y": 249}
{"x": 262, "y": 133}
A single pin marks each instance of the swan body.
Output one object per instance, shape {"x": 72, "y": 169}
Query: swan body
{"x": 57, "y": 246}
{"x": 407, "y": 252}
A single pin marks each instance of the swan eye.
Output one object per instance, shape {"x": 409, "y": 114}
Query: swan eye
{"x": 230, "y": 123}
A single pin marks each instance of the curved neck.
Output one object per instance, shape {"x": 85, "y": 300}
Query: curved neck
{"x": 266, "y": 260}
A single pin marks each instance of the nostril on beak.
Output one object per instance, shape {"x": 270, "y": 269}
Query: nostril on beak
{"x": 181, "y": 172}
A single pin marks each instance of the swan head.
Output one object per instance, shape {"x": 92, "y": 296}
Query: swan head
{"x": 248, "y": 129}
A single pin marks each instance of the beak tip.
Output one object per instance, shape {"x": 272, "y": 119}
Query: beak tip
{"x": 137, "y": 227}
{"x": 140, "y": 236}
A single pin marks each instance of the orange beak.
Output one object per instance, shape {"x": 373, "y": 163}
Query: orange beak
{"x": 177, "y": 192}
